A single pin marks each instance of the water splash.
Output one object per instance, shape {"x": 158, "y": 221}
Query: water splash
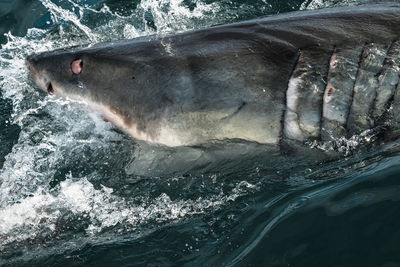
{"x": 172, "y": 15}
{"x": 318, "y": 4}
{"x": 346, "y": 146}
{"x": 59, "y": 14}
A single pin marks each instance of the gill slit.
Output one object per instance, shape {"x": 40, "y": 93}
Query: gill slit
{"x": 354, "y": 84}
{"x": 282, "y": 122}
{"x": 321, "y": 121}
{"x": 391, "y": 98}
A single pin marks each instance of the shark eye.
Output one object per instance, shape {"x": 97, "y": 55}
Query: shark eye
{"x": 76, "y": 66}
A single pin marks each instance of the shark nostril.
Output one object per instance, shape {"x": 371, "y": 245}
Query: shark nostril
{"x": 50, "y": 89}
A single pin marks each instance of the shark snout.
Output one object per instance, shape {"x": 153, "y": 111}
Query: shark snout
{"x": 30, "y": 64}
{"x": 43, "y": 84}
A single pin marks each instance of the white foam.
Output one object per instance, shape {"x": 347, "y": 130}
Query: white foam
{"x": 318, "y": 4}
{"x": 27, "y": 218}
{"x": 172, "y": 15}
{"x": 58, "y": 13}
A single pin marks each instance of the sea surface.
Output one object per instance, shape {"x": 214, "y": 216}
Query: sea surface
{"x": 67, "y": 197}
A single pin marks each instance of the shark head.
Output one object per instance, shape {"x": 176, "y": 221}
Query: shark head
{"x": 117, "y": 87}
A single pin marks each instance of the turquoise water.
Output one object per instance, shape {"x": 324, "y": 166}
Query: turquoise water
{"x": 67, "y": 197}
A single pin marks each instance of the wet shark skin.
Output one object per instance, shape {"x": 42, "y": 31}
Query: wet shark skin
{"x": 224, "y": 82}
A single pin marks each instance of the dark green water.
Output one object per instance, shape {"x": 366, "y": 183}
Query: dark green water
{"x": 67, "y": 199}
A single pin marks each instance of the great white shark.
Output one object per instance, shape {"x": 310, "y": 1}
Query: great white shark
{"x": 309, "y": 75}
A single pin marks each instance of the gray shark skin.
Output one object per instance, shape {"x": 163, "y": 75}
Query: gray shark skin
{"x": 310, "y": 75}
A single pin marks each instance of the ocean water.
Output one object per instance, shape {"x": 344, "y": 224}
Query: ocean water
{"x": 68, "y": 198}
